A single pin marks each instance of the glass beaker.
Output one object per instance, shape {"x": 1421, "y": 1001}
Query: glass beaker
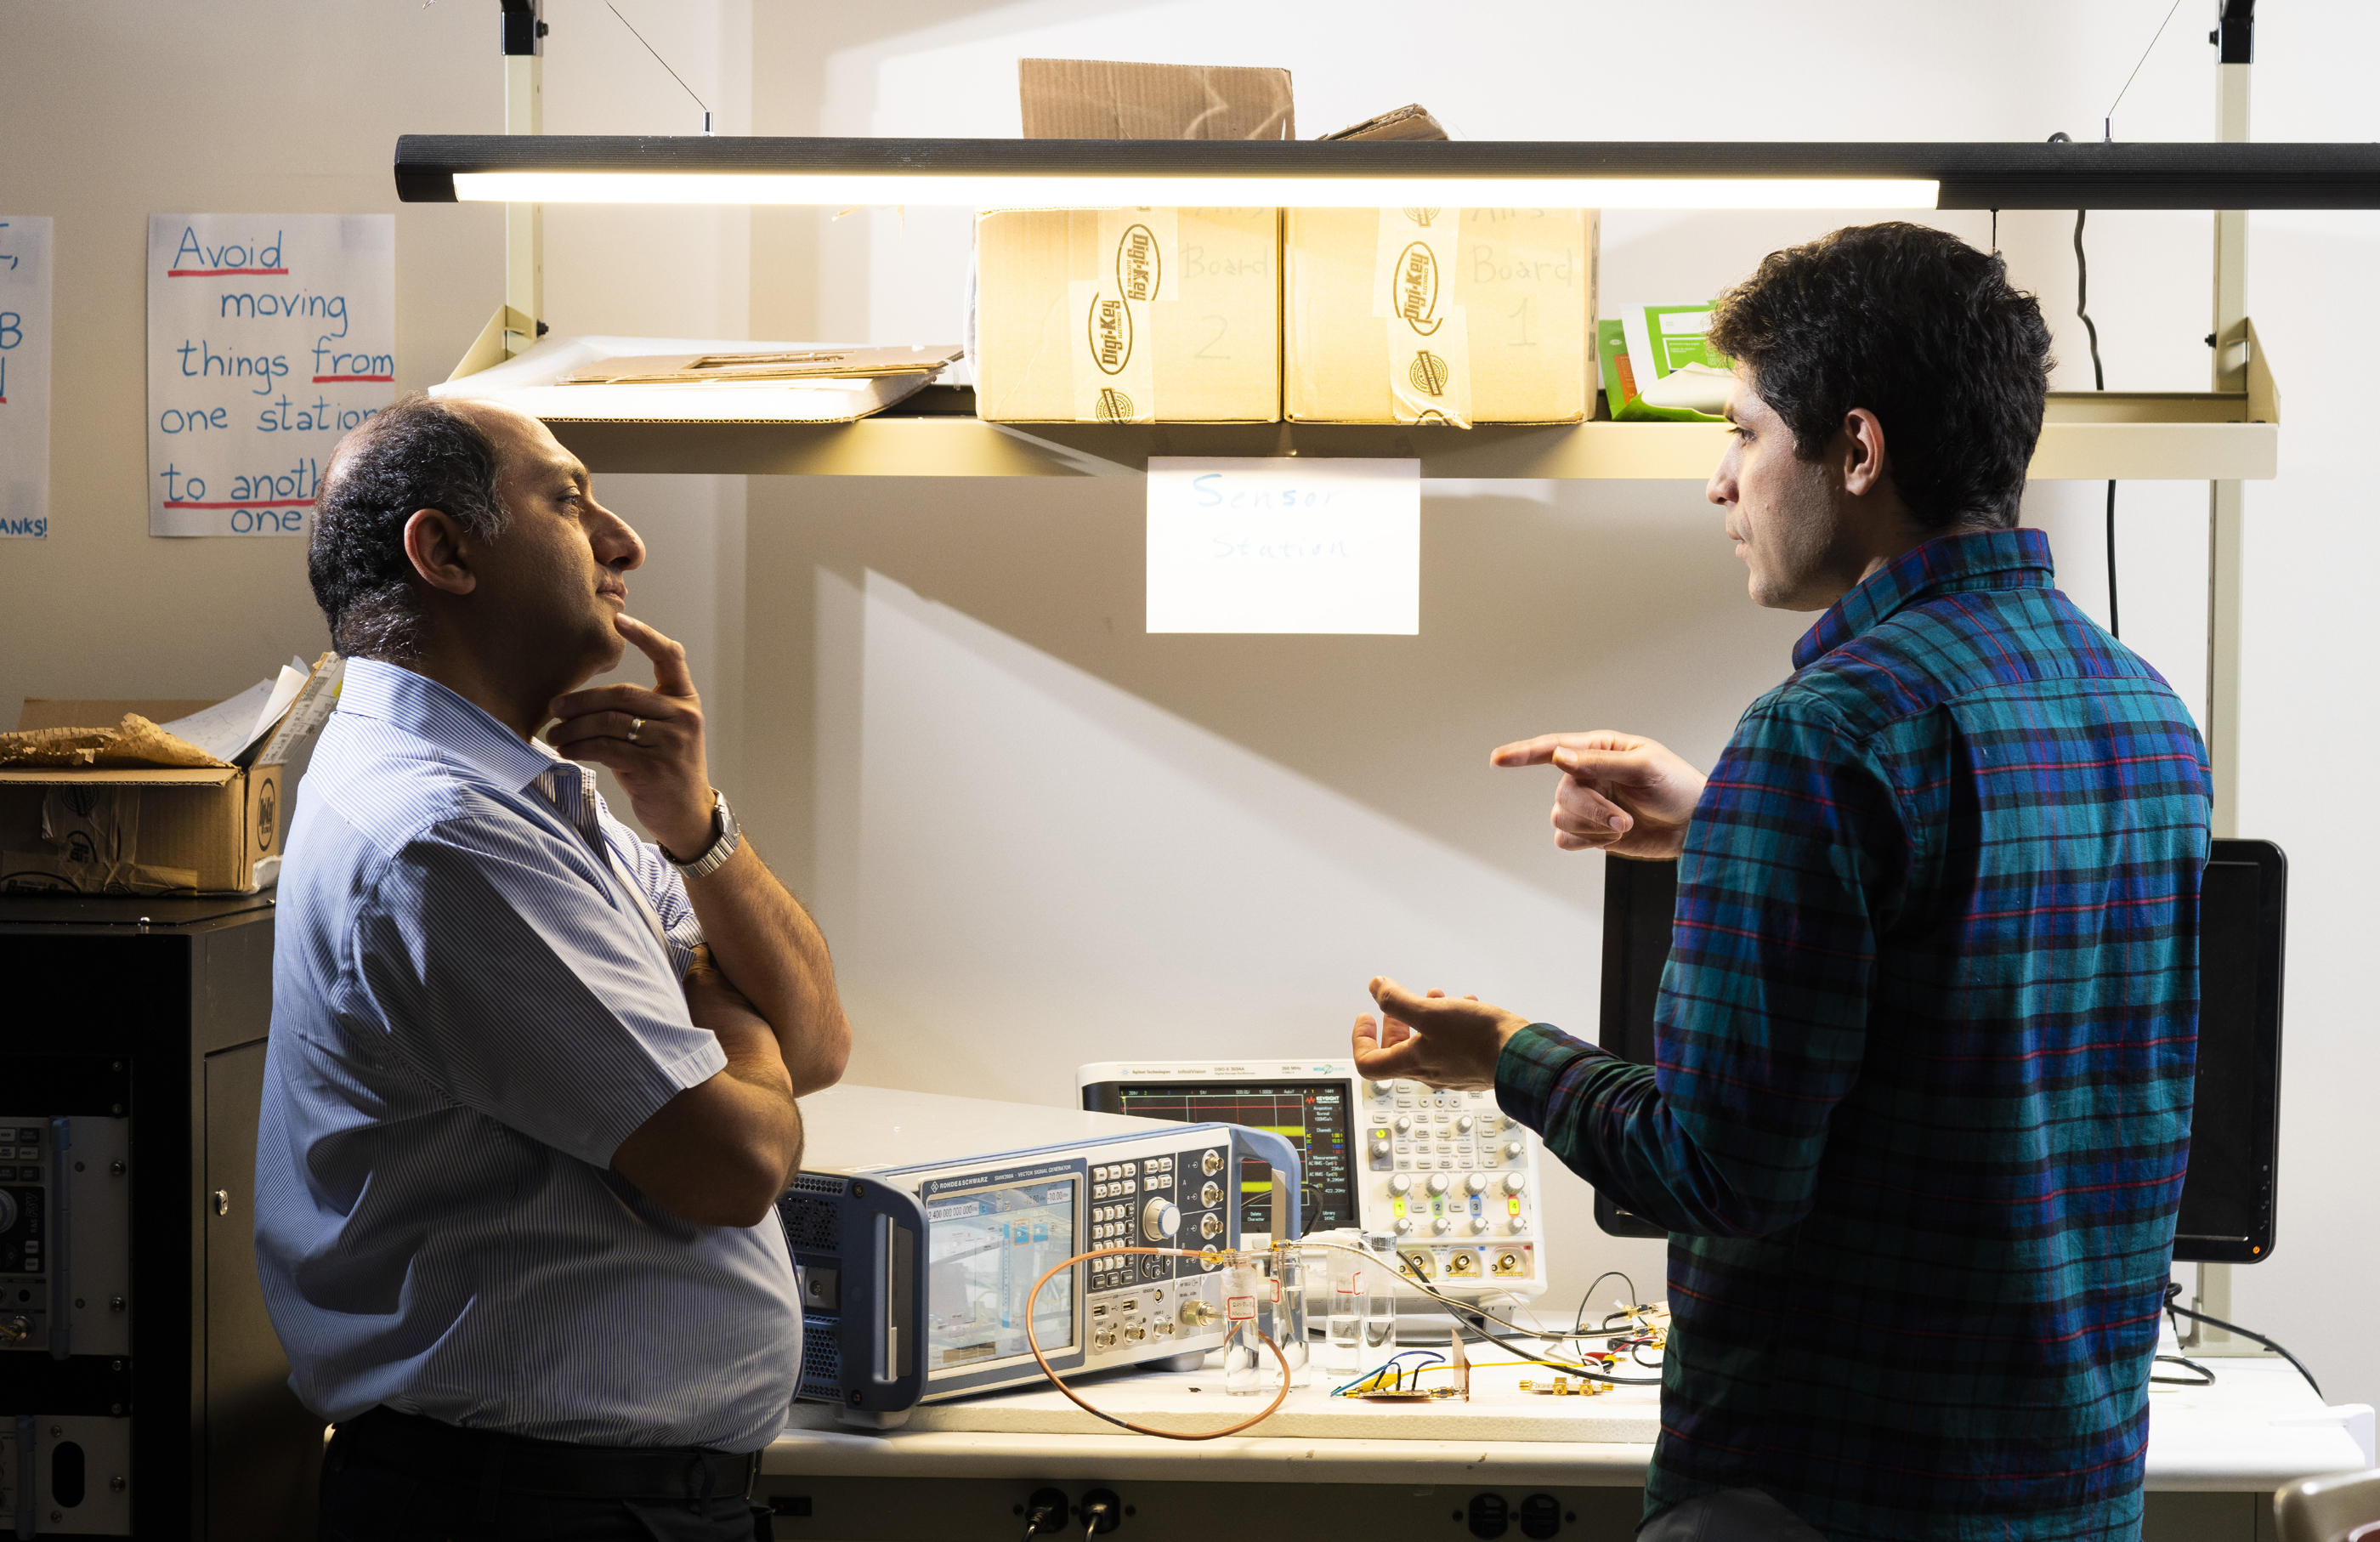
{"x": 1291, "y": 1269}
{"x": 1244, "y": 1360}
{"x": 1347, "y": 1277}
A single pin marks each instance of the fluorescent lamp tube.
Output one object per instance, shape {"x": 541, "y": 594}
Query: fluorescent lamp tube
{"x": 991, "y": 190}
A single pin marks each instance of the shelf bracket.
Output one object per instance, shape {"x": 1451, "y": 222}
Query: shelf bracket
{"x": 524, "y": 54}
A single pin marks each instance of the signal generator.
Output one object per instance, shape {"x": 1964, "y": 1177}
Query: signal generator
{"x": 919, "y": 1224}
{"x": 1446, "y": 1175}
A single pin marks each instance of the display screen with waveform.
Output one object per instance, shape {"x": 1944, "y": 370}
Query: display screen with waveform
{"x": 1313, "y": 1117}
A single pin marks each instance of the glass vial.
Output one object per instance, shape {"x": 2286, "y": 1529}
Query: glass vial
{"x": 1245, "y": 1358}
{"x": 1292, "y": 1267}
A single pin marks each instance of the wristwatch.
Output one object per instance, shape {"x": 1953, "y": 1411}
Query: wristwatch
{"x": 724, "y": 842}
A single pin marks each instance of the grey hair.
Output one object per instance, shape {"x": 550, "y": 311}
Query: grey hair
{"x": 417, "y": 453}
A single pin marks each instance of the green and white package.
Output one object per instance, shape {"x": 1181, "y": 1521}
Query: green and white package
{"x": 1658, "y": 364}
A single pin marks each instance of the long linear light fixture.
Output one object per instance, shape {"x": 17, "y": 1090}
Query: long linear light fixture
{"x": 437, "y": 168}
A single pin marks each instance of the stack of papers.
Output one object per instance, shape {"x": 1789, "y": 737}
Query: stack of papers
{"x": 229, "y": 729}
{"x": 674, "y": 380}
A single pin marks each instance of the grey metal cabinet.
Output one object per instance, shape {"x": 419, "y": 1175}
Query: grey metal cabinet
{"x": 143, "y": 1392}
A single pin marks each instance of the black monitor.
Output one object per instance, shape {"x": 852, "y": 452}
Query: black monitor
{"x": 2228, "y": 1195}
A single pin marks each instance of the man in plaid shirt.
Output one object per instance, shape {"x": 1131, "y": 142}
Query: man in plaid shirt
{"x": 1925, "y": 1038}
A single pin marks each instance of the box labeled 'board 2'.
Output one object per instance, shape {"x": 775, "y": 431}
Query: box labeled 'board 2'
{"x": 1455, "y": 316}
{"x": 1128, "y": 315}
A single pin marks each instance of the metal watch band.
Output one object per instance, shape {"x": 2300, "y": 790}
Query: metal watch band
{"x": 724, "y": 842}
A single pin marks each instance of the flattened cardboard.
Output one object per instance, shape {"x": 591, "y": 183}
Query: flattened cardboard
{"x": 1496, "y": 326}
{"x": 1088, "y": 315}
{"x": 1412, "y": 121}
{"x": 1099, "y": 98}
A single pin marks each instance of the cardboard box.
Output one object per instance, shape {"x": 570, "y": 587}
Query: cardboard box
{"x": 1128, "y": 315}
{"x": 1456, "y": 316}
{"x": 1100, "y": 99}
{"x": 152, "y": 829}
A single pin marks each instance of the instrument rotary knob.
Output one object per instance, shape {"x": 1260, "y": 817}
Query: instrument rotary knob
{"x": 1438, "y": 1183}
{"x": 1400, "y": 1184}
{"x": 1515, "y": 1181}
{"x": 1479, "y": 1223}
{"x": 1476, "y": 1183}
{"x": 1405, "y": 1224}
{"x": 1442, "y": 1225}
{"x": 1160, "y": 1219}
{"x": 1462, "y": 1125}
{"x": 1405, "y": 1123}
{"x": 1381, "y": 1090}
{"x": 1513, "y": 1150}
{"x": 1380, "y": 1147}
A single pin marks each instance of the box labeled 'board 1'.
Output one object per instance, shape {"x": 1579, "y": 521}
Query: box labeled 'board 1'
{"x": 1128, "y": 315}
{"x": 1454, "y": 316}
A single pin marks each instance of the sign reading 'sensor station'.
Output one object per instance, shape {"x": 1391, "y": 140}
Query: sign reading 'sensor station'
{"x": 270, "y": 335}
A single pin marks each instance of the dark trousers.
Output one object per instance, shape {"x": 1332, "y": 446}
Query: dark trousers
{"x": 381, "y": 1481}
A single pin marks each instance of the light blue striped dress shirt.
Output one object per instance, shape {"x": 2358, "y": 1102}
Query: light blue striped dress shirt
{"x": 472, "y": 1009}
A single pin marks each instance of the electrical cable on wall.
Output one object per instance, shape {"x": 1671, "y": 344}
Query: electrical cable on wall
{"x": 2098, "y": 370}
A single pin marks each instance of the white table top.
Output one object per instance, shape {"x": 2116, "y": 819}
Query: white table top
{"x": 2259, "y": 1427}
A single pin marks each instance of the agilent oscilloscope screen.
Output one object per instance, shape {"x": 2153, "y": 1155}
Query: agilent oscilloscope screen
{"x": 1313, "y": 1116}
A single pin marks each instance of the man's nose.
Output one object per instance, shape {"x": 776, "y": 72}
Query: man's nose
{"x": 617, "y": 545}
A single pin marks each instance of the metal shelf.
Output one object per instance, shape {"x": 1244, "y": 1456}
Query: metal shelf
{"x": 2089, "y": 436}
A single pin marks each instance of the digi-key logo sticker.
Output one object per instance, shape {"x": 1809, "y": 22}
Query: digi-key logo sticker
{"x": 1428, "y": 373}
{"x": 1140, "y": 265}
{"x": 1110, "y": 329}
{"x": 267, "y": 815}
{"x": 1416, "y": 288}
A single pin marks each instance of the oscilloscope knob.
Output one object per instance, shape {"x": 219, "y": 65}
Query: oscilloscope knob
{"x": 1442, "y": 1225}
{"x": 1479, "y": 1223}
{"x": 1438, "y": 1183}
{"x": 1515, "y": 1181}
{"x": 1400, "y": 1184}
{"x": 1405, "y": 1123}
{"x": 1513, "y": 1150}
{"x": 1381, "y": 1090}
{"x": 1380, "y": 1147}
{"x": 1462, "y": 1125}
{"x": 1405, "y": 1224}
{"x": 1476, "y": 1183}
{"x": 1160, "y": 1219}
{"x": 8, "y": 1210}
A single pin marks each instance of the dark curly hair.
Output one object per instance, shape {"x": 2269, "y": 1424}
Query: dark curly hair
{"x": 1919, "y": 328}
{"x": 417, "y": 453}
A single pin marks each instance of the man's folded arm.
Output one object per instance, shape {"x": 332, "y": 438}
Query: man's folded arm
{"x": 503, "y": 977}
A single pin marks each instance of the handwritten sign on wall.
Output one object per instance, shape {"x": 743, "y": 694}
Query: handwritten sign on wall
{"x": 1284, "y": 544}
{"x": 270, "y": 335}
{"x": 24, "y": 376}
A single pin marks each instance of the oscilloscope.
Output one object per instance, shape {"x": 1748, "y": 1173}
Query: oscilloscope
{"x": 1445, "y": 1174}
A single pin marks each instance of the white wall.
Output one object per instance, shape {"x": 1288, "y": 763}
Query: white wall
{"x": 1036, "y": 835}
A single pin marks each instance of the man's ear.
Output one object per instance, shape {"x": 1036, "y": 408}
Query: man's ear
{"x": 433, "y": 543}
{"x": 1865, "y": 470}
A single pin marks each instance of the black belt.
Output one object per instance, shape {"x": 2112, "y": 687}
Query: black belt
{"x": 483, "y": 1460}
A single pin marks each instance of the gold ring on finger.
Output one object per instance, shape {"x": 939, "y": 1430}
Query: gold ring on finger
{"x": 636, "y": 726}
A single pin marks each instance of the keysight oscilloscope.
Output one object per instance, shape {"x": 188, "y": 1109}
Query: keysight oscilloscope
{"x": 1445, "y": 1174}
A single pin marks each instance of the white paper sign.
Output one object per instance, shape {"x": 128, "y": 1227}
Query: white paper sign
{"x": 24, "y": 376}
{"x": 270, "y": 335}
{"x": 1284, "y": 544}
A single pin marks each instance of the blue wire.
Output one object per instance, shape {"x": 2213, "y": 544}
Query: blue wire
{"x": 1374, "y": 1375}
